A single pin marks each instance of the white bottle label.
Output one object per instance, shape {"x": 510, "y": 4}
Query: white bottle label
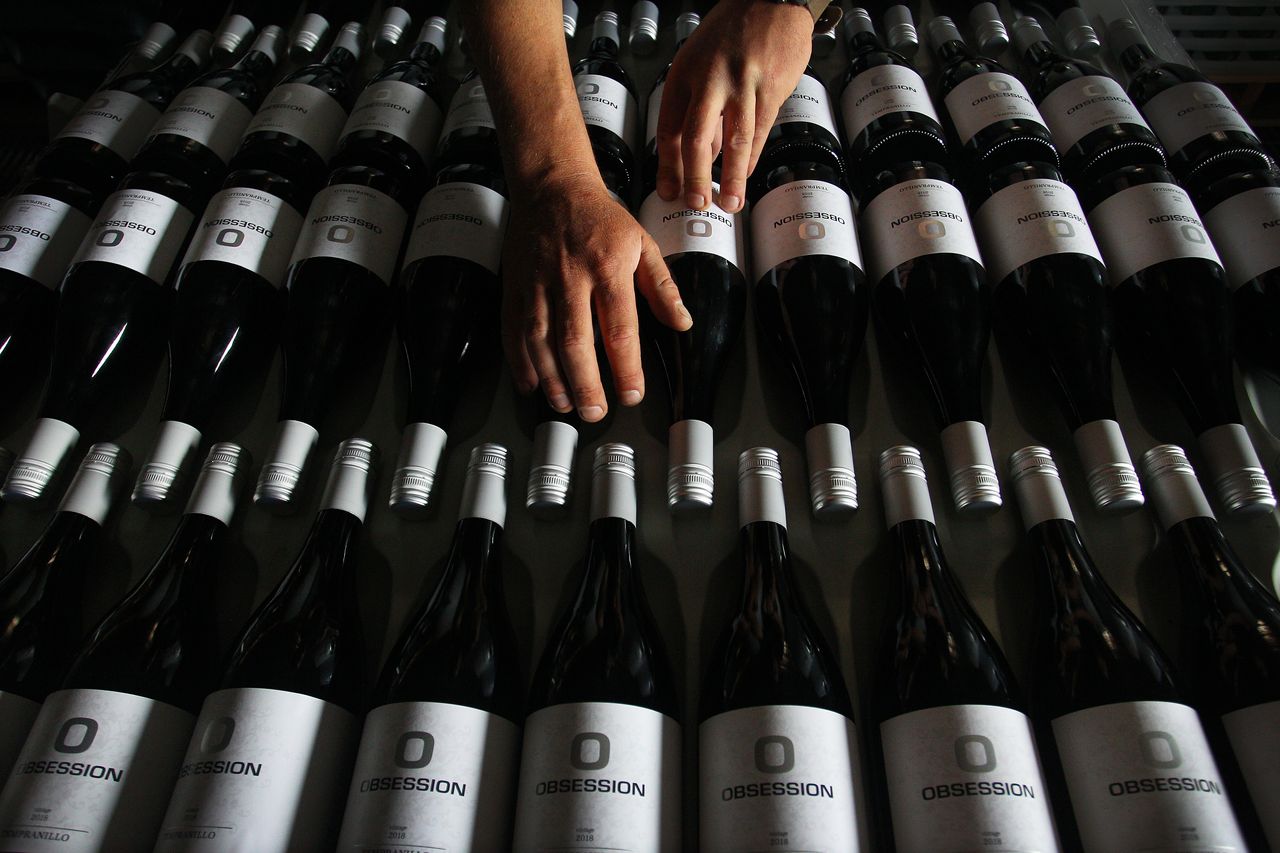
{"x": 469, "y": 108}
{"x": 606, "y": 103}
{"x": 118, "y": 120}
{"x": 803, "y": 218}
{"x": 1188, "y": 111}
{"x": 679, "y": 229}
{"x": 1141, "y": 777}
{"x": 780, "y": 777}
{"x": 882, "y": 90}
{"x": 809, "y": 103}
{"x": 303, "y": 112}
{"x": 213, "y": 118}
{"x": 432, "y": 776}
{"x": 1078, "y": 107}
{"x": 1030, "y": 220}
{"x": 985, "y": 99}
{"x": 95, "y": 773}
{"x": 1255, "y": 740}
{"x": 651, "y": 114}
{"x": 400, "y": 109}
{"x": 965, "y": 777}
{"x": 1148, "y": 224}
{"x": 17, "y": 713}
{"x": 249, "y": 228}
{"x": 913, "y": 219}
{"x": 140, "y": 230}
{"x": 599, "y": 776}
{"x": 38, "y": 237}
{"x": 353, "y": 223}
{"x": 1246, "y": 232}
{"x": 460, "y": 220}
{"x": 265, "y": 770}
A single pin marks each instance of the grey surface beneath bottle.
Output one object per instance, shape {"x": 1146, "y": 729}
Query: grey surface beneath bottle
{"x": 689, "y": 565}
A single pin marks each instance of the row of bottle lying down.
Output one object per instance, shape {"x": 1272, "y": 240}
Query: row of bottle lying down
{"x": 1172, "y": 288}
{"x": 141, "y": 733}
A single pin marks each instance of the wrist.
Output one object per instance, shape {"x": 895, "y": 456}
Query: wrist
{"x": 565, "y": 176}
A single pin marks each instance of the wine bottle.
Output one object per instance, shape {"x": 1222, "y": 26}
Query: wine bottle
{"x": 811, "y": 303}
{"x": 197, "y": 135}
{"x": 885, "y": 106}
{"x": 804, "y": 129}
{"x": 396, "y": 119}
{"x": 41, "y": 226}
{"x": 468, "y": 136}
{"x": 449, "y": 295}
{"x": 1232, "y": 626}
{"x": 1074, "y": 26}
{"x": 95, "y": 147}
{"x": 154, "y": 45}
{"x": 988, "y": 29}
{"x": 397, "y": 17}
{"x": 295, "y": 131}
{"x": 607, "y": 98}
{"x": 601, "y": 754}
{"x": 335, "y": 318}
{"x": 933, "y": 303}
{"x": 40, "y": 598}
{"x": 1052, "y": 304}
{"x": 570, "y": 16}
{"x": 900, "y": 33}
{"x": 111, "y": 312}
{"x": 685, "y": 26}
{"x": 1127, "y": 759}
{"x": 270, "y": 757}
{"x": 1195, "y": 120}
{"x": 1240, "y": 212}
{"x": 437, "y": 760}
{"x": 226, "y": 314}
{"x": 645, "y": 17}
{"x": 126, "y": 709}
{"x": 989, "y": 114}
{"x": 319, "y": 18}
{"x": 1095, "y": 126}
{"x": 555, "y": 444}
{"x": 777, "y": 749}
{"x": 1173, "y": 311}
{"x": 246, "y": 17}
{"x": 704, "y": 251}
{"x": 956, "y": 766}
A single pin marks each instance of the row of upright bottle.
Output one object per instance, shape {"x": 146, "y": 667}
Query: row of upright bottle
{"x": 141, "y": 735}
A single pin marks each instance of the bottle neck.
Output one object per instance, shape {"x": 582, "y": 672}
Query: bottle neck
{"x": 474, "y": 566}
{"x": 604, "y": 48}
{"x": 426, "y": 53}
{"x": 328, "y": 552}
{"x": 953, "y": 50}
{"x": 767, "y": 568}
{"x": 864, "y": 42}
{"x": 257, "y": 64}
{"x": 1135, "y": 56}
{"x": 1040, "y": 53}
{"x": 610, "y": 564}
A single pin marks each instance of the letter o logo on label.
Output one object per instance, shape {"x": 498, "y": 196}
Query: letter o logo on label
{"x": 812, "y": 231}
{"x": 7, "y": 242}
{"x": 477, "y": 93}
{"x": 775, "y": 754}
{"x": 340, "y": 234}
{"x": 975, "y": 754}
{"x": 588, "y": 88}
{"x": 585, "y": 746}
{"x": 217, "y": 735}
{"x": 1205, "y": 96}
{"x": 999, "y": 85}
{"x": 229, "y": 237}
{"x": 84, "y": 728}
{"x": 1093, "y": 90}
{"x": 383, "y": 94}
{"x": 1059, "y": 228}
{"x": 110, "y": 237}
{"x": 697, "y": 228}
{"x": 931, "y": 229}
{"x": 98, "y": 103}
{"x": 1159, "y": 750}
{"x": 425, "y": 751}
{"x": 1192, "y": 234}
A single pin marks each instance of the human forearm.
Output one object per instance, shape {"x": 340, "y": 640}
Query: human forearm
{"x": 519, "y": 51}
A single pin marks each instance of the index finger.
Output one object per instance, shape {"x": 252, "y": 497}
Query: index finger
{"x": 671, "y": 112}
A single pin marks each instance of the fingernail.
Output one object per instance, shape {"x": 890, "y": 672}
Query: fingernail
{"x": 630, "y": 397}
{"x": 560, "y": 402}
{"x": 684, "y": 312}
{"x": 695, "y": 200}
{"x": 730, "y": 203}
{"x": 591, "y": 414}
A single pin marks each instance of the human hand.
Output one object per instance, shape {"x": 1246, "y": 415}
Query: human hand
{"x": 572, "y": 250}
{"x": 739, "y": 66}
